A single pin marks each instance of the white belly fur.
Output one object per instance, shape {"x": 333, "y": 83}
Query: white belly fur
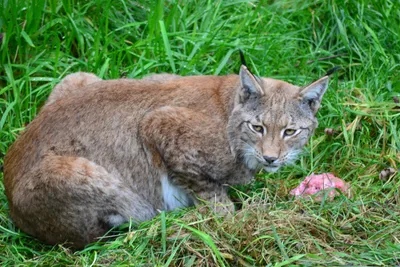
{"x": 174, "y": 197}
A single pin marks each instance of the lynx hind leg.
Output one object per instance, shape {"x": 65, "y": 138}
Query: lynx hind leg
{"x": 71, "y": 84}
{"x": 74, "y": 201}
{"x": 162, "y": 77}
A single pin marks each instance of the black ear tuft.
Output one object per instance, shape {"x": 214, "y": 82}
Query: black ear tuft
{"x": 333, "y": 70}
{"x": 242, "y": 59}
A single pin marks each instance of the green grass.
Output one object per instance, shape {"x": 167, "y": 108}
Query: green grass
{"x": 297, "y": 41}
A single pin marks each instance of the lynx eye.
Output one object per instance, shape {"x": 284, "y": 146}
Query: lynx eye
{"x": 289, "y": 132}
{"x": 257, "y": 128}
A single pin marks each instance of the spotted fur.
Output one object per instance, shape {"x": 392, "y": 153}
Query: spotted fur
{"x": 103, "y": 152}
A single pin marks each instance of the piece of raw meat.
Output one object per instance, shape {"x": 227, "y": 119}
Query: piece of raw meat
{"x": 315, "y": 183}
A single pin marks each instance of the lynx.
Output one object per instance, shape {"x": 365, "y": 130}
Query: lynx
{"x": 103, "y": 152}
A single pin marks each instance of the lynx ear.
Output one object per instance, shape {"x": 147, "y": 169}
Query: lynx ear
{"x": 312, "y": 94}
{"x": 249, "y": 86}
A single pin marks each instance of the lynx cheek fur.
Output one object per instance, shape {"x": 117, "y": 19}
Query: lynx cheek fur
{"x": 102, "y": 152}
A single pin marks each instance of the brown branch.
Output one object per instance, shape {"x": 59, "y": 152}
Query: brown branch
{"x": 322, "y": 59}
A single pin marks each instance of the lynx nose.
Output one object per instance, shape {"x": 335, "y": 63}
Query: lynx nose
{"x": 270, "y": 160}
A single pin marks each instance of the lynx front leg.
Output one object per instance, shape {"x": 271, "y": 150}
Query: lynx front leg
{"x": 216, "y": 197}
{"x": 204, "y": 191}
{"x": 194, "y": 150}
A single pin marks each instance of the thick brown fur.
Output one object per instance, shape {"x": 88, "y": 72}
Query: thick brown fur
{"x": 102, "y": 152}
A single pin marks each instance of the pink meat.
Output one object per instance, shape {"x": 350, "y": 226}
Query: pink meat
{"x": 314, "y": 183}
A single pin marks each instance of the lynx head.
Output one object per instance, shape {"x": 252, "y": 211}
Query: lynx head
{"x": 272, "y": 120}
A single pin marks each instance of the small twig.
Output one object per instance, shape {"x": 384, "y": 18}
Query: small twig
{"x": 194, "y": 251}
{"x": 322, "y": 59}
{"x": 326, "y": 58}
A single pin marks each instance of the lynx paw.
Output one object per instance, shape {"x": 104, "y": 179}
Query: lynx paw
{"x": 224, "y": 209}
{"x": 220, "y": 209}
